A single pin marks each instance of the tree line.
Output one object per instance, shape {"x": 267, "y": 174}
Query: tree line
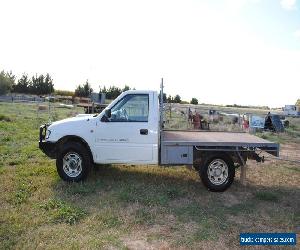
{"x": 36, "y": 84}
{"x": 177, "y": 99}
{"x": 43, "y": 85}
{"x": 111, "y": 92}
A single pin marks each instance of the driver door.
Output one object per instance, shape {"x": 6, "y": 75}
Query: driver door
{"x": 126, "y": 137}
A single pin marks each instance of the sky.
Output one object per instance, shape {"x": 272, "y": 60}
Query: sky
{"x": 219, "y": 51}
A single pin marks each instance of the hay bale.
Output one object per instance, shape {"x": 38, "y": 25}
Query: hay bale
{"x": 42, "y": 107}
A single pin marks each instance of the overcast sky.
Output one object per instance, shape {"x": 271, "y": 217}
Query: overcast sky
{"x": 219, "y": 51}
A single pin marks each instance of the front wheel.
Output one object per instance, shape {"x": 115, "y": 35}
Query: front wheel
{"x": 73, "y": 162}
{"x": 217, "y": 173}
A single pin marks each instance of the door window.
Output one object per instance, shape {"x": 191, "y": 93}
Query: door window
{"x": 131, "y": 108}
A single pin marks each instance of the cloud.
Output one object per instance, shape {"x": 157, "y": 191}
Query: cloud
{"x": 297, "y": 33}
{"x": 288, "y": 4}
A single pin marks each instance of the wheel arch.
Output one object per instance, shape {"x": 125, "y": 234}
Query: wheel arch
{"x": 74, "y": 138}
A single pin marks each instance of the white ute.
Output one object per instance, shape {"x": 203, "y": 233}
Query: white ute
{"x": 130, "y": 131}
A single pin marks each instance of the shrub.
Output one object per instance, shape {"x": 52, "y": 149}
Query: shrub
{"x": 5, "y": 118}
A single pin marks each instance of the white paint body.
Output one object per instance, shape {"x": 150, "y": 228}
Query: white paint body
{"x": 115, "y": 142}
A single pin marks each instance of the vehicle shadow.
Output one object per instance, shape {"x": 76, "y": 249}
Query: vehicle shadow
{"x": 116, "y": 185}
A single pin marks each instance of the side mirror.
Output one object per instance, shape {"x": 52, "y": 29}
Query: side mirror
{"x": 108, "y": 113}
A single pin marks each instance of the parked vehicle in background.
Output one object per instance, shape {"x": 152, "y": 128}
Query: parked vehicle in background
{"x": 291, "y": 110}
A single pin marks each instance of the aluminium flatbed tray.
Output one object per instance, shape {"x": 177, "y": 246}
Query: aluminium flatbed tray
{"x": 217, "y": 140}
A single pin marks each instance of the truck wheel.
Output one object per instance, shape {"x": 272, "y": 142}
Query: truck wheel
{"x": 217, "y": 173}
{"x": 73, "y": 162}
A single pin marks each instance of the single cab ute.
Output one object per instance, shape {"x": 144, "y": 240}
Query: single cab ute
{"x": 130, "y": 131}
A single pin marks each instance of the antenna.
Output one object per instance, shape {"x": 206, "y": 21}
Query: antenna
{"x": 162, "y": 104}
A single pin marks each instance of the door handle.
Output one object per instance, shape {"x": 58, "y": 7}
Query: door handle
{"x": 144, "y": 131}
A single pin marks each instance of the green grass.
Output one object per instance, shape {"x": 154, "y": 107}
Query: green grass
{"x": 266, "y": 196}
{"x": 130, "y": 206}
{"x": 59, "y": 211}
{"x": 23, "y": 191}
{"x": 5, "y": 118}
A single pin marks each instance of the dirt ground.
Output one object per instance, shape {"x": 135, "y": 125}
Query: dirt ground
{"x": 290, "y": 151}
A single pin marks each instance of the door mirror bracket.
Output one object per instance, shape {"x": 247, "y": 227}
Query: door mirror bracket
{"x": 106, "y": 116}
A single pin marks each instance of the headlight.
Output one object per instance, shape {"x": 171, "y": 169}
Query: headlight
{"x": 48, "y": 133}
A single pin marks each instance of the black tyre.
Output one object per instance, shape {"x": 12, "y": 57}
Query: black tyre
{"x": 73, "y": 162}
{"x": 217, "y": 172}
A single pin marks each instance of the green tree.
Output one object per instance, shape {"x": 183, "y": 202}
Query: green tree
{"x": 102, "y": 90}
{"x": 164, "y": 97}
{"x": 126, "y": 87}
{"x": 87, "y": 88}
{"x": 79, "y": 91}
{"x": 7, "y": 81}
{"x": 194, "y": 101}
{"x": 298, "y": 102}
{"x": 177, "y": 99}
{"x": 41, "y": 85}
{"x": 113, "y": 92}
{"x": 23, "y": 84}
{"x": 84, "y": 90}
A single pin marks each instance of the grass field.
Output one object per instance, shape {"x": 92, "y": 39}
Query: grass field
{"x": 132, "y": 207}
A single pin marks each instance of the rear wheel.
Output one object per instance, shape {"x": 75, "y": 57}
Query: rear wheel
{"x": 217, "y": 172}
{"x": 73, "y": 162}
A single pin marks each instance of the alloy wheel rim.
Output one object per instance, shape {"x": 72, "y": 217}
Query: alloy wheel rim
{"x": 72, "y": 164}
{"x": 217, "y": 172}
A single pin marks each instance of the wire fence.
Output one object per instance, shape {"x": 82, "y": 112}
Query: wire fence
{"x": 189, "y": 117}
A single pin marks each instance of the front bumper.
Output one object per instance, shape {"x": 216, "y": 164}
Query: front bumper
{"x": 49, "y": 148}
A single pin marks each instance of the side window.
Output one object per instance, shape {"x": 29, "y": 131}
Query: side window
{"x": 132, "y": 108}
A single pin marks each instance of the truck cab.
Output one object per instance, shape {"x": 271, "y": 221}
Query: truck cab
{"x": 127, "y": 131}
